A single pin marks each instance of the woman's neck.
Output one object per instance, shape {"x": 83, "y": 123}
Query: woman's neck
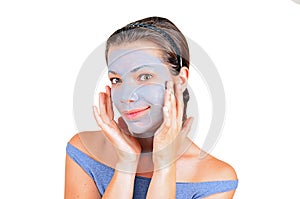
{"x": 146, "y": 144}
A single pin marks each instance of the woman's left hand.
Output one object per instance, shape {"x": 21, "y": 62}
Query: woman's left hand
{"x": 169, "y": 138}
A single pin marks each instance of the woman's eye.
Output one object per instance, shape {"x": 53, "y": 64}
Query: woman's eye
{"x": 144, "y": 77}
{"x": 115, "y": 80}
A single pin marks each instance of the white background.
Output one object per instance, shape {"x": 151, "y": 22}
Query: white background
{"x": 255, "y": 46}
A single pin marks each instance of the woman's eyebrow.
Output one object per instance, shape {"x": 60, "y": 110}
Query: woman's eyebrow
{"x": 113, "y": 72}
{"x": 140, "y": 67}
{"x": 133, "y": 70}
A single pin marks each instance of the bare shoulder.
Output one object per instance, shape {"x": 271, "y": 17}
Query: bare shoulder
{"x": 95, "y": 145}
{"x": 205, "y": 167}
{"x": 87, "y": 140}
{"x": 217, "y": 169}
{"x": 74, "y": 173}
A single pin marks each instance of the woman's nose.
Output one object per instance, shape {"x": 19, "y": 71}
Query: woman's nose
{"x": 129, "y": 97}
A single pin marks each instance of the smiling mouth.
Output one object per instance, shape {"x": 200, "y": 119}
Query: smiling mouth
{"x": 136, "y": 113}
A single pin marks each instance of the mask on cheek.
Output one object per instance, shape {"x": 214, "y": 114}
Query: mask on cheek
{"x": 141, "y": 107}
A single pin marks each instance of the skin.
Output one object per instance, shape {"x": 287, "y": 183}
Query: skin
{"x": 140, "y": 155}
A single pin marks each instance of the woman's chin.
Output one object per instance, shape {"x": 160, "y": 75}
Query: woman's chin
{"x": 142, "y": 134}
{"x": 143, "y": 131}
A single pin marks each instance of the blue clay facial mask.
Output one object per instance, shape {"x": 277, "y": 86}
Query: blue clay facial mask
{"x": 138, "y": 83}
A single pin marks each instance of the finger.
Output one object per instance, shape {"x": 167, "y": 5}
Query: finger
{"x": 105, "y": 129}
{"x": 168, "y": 116}
{"x": 101, "y": 103}
{"x": 172, "y": 107}
{"x": 102, "y": 108}
{"x": 167, "y": 105}
{"x": 97, "y": 117}
{"x": 122, "y": 124}
{"x": 109, "y": 107}
{"x": 166, "y": 113}
{"x": 179, "y": 102}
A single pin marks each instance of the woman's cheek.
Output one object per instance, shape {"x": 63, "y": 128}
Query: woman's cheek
{"x": 153, "y": 94}
{"x": 115, "y": 98}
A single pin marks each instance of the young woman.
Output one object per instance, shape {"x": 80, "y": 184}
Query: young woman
{"x": 147, "y": 153}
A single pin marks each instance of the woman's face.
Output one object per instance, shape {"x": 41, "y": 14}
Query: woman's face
{"x": 138, "y": 79}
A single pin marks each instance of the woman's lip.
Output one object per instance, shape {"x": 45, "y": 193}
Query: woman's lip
{"x": 135, "y": 113}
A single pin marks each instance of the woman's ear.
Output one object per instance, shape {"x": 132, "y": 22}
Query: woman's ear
{"x": 183, "y": 77}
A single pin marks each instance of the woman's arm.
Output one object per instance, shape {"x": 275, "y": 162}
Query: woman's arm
{"x": 121, "y": 186}
{"x": 127, "y": 149}
{"x": 167, "y": 143}
{"x": 163, "y": 183}
{"x": 78, "y": 184}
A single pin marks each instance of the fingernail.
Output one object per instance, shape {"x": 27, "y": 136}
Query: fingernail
{"x": 170, "y": 87}
{"x": 169, "y": 91}
{"x": 165, "y": 108}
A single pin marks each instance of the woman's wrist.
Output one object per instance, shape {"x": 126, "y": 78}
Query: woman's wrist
{"x": 164, "y": 170}
{"x": 127, "y": 166}
{"x": 164, "y": 157}
{"x": 166, "y": 173}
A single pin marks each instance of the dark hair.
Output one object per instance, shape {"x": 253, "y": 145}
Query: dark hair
{"x": 164, "y": 34}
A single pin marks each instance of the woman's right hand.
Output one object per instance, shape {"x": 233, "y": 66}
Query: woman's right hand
{"x": 127, "y": 147}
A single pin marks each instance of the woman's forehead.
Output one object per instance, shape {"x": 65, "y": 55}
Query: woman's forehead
{"x": 122, "y": 60}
